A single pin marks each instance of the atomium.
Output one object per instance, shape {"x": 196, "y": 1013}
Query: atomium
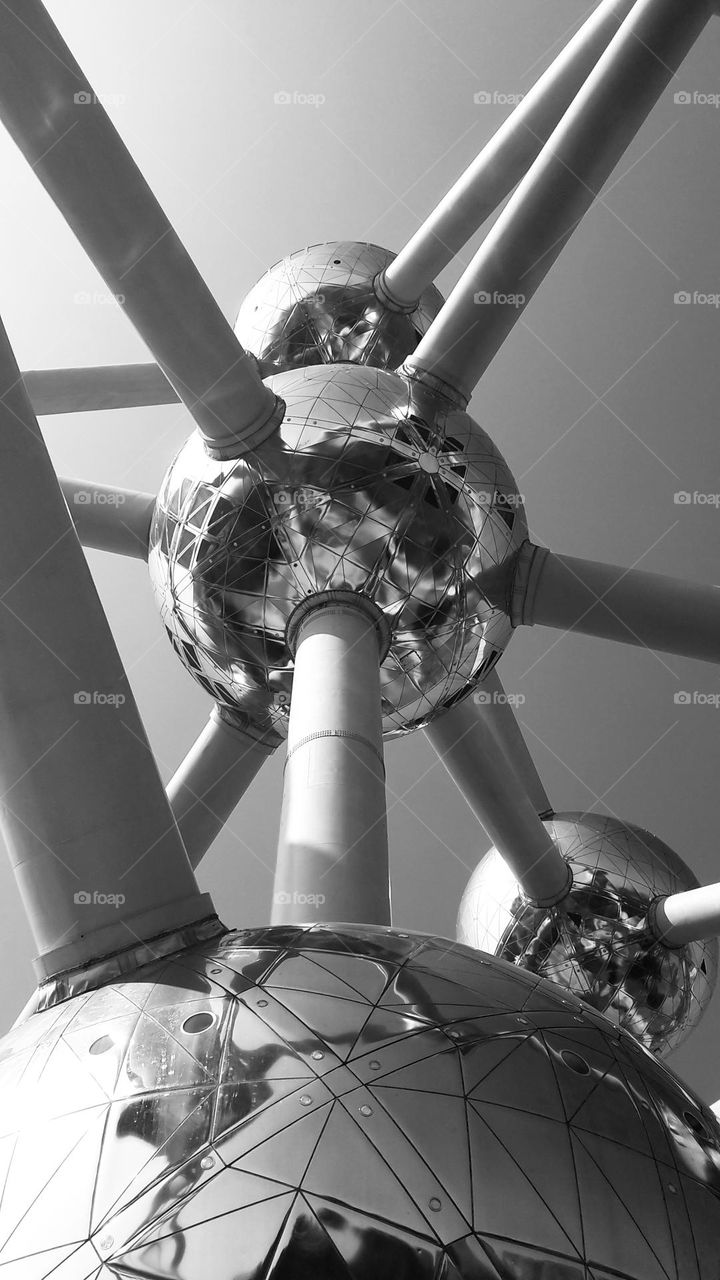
{"x": 596, "y": 943}
{"x": 347, "y": 1103}
{"x": 373, "y": 484}
{"x": 319, "y": 306}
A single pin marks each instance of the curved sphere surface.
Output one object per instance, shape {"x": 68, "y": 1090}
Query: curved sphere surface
{"x": 371, "y": 484}
{"x": 318, "y": 306}
{"x": 345, "y": 1103}
{"x": 596, "y": 943}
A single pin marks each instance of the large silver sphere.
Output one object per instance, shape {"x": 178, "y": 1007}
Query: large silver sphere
{"x": 319, "y": 306}
{"x": 371, "y": 484}
{"x": 359, "y": 1104}
{"x": 596, "y": 943}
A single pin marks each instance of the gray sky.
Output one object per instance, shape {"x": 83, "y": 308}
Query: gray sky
{"x": 191, "y": 88}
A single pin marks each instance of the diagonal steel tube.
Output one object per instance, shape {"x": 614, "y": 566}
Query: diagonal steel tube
{"x": 481, "y": 189}
{"x": 686, "y": 917}
{"x": 122, "y": 386}
{"x": 95, "y": 850}
{"x": 108, "y": 518}
{"x": 65, "y": 133}
{"x": 493, "y": 705}
{"x": 471, "y": 753}
{"x": 214, "y": 776}
{"x": 561, "y": 186}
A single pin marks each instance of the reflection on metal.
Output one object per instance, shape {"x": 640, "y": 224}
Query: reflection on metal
{"x": 597, "y": 944}
{"x": 372, "y": 484}
{"x": 319, "y": 306}
{"x": 347, "y": 1104}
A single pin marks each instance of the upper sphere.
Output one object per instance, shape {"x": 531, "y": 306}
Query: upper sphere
{"x": 372, "y": 484}
{"x": 346, "y": 1103}
{"x": 596, "y": 943}
{"x": 318, "y": 306}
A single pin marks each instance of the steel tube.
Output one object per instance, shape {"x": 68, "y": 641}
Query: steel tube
{"x": 557, "y": 192}
{"x": 333, "y": 853}
{"x": 214, "y": 777}
{"x": 687, "y": 917}
{"x": 469, "y": 750}
{"x": 504, "y": 160}
{"x": 492, "y": 704}
{"x": 65, "y": 133}
{"x": 628, "y": 605}
{"x": 122, "y": 386}
{"x": 109, "y": 518}
{"x": 96, "y": 853}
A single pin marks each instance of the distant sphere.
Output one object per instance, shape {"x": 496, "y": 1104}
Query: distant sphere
{"x": 318, "y": 306}
{"x": 595, "y": 944}
{"x": 346, "y": 1103}
{"x": 372, "y": 484}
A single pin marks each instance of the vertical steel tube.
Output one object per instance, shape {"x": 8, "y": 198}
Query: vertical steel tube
{"x": 561, "y": 186}
{"x": 502, "y": 162}
{"x": 214, "y": 777}
{"x": 95, "y": 850}
{"x": 480, "y": 770}
{"x": 628, "y": 605}
{"x": 333, "y": 852}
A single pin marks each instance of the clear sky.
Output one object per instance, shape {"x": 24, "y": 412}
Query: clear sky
{"x": 604, "y": 401}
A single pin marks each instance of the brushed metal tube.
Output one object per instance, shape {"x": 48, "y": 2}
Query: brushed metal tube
{"x": 213, "y": 778}
{"x": 109, "y": 518}
{"x": 95, "y": 850}
{"x": 557, "y": 192}
{"x": 502, "y": 162}
{"x": 54, "y": 116}
{"x": 687, "y": 917}
{"x": 86, "y": 390}
{"x": 333, "y": 851}
{"x": 470, "y": 751}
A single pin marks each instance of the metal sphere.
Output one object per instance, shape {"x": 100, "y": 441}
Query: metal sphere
{"x": 371, "y": 484}
{"x": 318, "y": 306}
{"x": 596, "y": 943}
{"x": 346, "y": 1104}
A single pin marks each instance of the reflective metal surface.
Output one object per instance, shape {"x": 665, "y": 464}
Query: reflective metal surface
{"x": 318, "y": 306}
{"x": 372, "y": 483}
{"x": 596, "y": 943}
{"x": 359, "y": 1104}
